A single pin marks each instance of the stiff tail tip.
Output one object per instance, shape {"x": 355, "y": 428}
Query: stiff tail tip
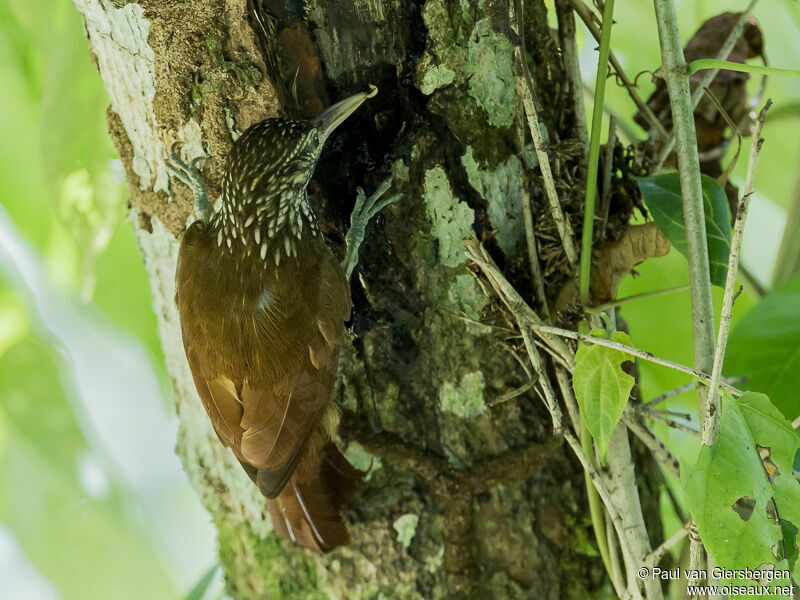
{"x": 309, "y": 512}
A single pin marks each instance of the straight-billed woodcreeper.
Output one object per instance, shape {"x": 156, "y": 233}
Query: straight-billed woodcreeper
{"x": 262, "y": 303}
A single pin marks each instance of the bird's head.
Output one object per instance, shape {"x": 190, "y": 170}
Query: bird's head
{"x": 277, "y": 157}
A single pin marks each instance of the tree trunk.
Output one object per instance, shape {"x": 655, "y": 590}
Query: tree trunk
{"x": 469, "y": 494}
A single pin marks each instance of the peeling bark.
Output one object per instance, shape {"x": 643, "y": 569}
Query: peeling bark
{"x": 465, "y": 497}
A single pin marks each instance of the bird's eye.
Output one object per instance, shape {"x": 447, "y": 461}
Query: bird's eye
{"x": 316, "y": 139}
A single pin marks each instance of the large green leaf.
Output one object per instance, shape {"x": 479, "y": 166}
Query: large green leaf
{"x": 602, "y": 387}
{"x": 731, "y": 473}
{"x": 765, "y": 347}
{"x": 662, "y": 195}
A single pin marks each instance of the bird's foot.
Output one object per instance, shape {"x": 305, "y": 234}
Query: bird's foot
{"x": 363, "y": 211}
{"x": 190, "y": 175}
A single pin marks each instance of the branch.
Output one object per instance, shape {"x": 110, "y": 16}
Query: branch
{"x": 710, "y": 427}
{"x": 655, "y": 446}
{"x": 602, "y": 490}
{"x": 675, "y": 73}
{"x": 724, "y": 53}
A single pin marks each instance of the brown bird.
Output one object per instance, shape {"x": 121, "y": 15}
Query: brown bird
{"x": 262, "y": 303}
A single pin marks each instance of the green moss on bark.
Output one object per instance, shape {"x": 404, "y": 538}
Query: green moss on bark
{"x": 501, "y": 187}
{"x": 258, "y": 568}
{"x": 451, "y": 220}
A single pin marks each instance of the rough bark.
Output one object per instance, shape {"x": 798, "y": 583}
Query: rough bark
{"x": 466, "y": 497}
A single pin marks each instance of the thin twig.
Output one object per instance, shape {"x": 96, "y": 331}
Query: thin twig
{"x": 655, "y": 446}
{"x": 656, "y": 555}
{"x": 515, "y": 393}
{"x": 670, "y": 394}
{"x": 663, "y": 412}
{"x": 586, "y": 16}
{"x": 708, "y": 77}
{"x": 528, "y": 93}
{"x": 651, "y": 294}
{"x": 590, "y": 339}
{"x": 569, "y": 52}
{"x": 536, "y": 360}
{"x": 518, "y": 307}
{"x": 608, "y": 171}
{"x": 675, "y": 424}
{"x": 711, "y": 417}
{"x": 722, "y": 179}
{"x": 533, "y": 255}
{"x": 673, "y": 499}
{"x": 752, "y": 282}
{"x": 568, "y": 394}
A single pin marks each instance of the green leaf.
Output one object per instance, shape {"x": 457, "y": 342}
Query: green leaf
{"x": 602, "y": 387}
{"x": 732, "y": 470}
{"x": 764, "y": 346}
{"x": 662, "y": 195}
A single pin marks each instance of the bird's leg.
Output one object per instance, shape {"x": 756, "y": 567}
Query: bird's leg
{"x": 363, "y": 211}
{"x": 190, "y": 175}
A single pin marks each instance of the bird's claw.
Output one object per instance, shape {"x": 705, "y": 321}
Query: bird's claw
{"x": 190, "y": 175}
{"x": 367, "y": 207}
{"x": 364, "y": 210}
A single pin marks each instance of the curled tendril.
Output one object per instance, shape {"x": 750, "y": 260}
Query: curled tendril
{"x": 640, "y": 73}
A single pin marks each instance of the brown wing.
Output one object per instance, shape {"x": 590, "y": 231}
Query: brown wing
{"x": 281, "y": 416}
{"x": 263, "y": 350}
{"x": 221, "y": 402}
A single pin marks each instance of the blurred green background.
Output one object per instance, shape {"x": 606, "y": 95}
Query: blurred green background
{"x": 93, "y": 502}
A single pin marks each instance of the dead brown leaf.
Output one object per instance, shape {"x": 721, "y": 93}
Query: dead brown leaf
{"x": 612, "y": 261}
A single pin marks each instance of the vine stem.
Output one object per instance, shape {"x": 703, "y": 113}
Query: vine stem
{"x": 588, "y": 18}
{"x": 675, "y": 72}
{"x": 594, "y": 151}
{"x": 710, "y": 429}
{"x": 595, "y": 507}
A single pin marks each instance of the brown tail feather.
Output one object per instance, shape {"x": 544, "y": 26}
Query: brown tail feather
{"x": 308, "y": 513}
